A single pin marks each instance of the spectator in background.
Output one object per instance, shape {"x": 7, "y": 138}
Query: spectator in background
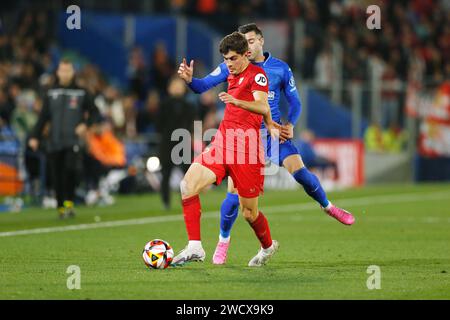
{"x": 373, "y": 138}
{"x": 25, "y": 115}
{"x": 147, "y": 117}
{"x": 137, "y": 73}
{"x": 390, "y": 103}
{"x": 90, "y": 78}
{"x": 129, "y": 107}
{"x": 324, "y": 68}
{"x": 162, "y": 69}
{"x": 378, "y": 140}
{"x": 110, "y": 106}
{"x": 208, "y": 110}
{"x": 6, "y": 107}
{"x": 175, "y": 113}
{"x": 105, "y": 152}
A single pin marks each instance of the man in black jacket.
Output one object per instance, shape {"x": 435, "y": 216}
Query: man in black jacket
{"x": 175, "y": 113}
{"x": 69, "y": 110}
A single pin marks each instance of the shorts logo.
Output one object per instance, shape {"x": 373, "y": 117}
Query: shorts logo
{"x": 261, "y": 79}
{"x": 216, "y": 72}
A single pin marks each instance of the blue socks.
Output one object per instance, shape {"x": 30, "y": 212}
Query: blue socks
{"x": 311, "y": 185}
{"x": 228, "y": 214}
{"x": 230, "y": 206}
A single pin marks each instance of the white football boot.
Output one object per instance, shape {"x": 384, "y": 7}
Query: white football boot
{"x": 264, "y": 255}
{"x": 189, "y": 254}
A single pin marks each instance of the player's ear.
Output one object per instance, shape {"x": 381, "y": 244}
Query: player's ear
{"x": 262, "y": 41}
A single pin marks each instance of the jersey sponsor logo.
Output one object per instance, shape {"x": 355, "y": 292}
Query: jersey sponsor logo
{"x": 261, "y": 79}
{"x": 240, "y": 81}
{"x": 216, "y": 72}
{"x": 271, "y": 95}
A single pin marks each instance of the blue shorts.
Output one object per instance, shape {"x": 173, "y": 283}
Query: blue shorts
{"x": 284, "y": 150}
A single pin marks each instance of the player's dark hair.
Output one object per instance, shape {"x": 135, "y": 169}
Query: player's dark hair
{"x": 249, "y": 28}
{"x": 233, "y": 42}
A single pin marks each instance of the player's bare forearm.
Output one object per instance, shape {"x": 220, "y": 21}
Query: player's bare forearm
{"x": 267, "y": 117}
{"x": 259, "y": 107}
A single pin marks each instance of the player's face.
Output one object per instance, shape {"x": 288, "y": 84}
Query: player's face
{"x": 235, "y": 62}
{"x": 255, "y": 44}
{"x": 65, "y": 73}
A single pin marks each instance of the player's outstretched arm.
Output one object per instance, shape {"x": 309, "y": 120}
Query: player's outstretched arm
{"x": 200, "y": 85}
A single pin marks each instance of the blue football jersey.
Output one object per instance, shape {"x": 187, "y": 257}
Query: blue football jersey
{"x": 281, "y": 80}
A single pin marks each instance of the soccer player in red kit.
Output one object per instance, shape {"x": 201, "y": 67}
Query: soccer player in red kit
{"x": 236, "y": 151}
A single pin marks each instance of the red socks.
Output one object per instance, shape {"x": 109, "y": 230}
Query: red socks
{"x": 262, "y": 231}
{"x": 192, "y": 211}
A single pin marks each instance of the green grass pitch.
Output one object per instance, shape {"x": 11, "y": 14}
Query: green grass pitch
{"x": 403, "y": 229}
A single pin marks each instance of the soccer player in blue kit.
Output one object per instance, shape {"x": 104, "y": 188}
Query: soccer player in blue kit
{"x": 280, "y": 79}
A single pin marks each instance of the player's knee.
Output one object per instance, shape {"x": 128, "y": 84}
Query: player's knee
{"x": 186, "y": 188}
{"x": 249, "y": 214}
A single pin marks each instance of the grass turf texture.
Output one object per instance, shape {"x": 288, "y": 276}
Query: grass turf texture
{"x": 408, "y": 237}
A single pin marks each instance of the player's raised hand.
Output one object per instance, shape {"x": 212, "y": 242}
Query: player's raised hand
{"x": 186, "y": 71}
{"x": 227, "y": 98}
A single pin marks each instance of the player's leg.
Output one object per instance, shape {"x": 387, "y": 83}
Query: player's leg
{"x": 260, "y": 226}
{"x": 229, "y": 210}
{"x": 228, "y": 213}
{"x": 311, "y": 184}
{"x": 195, "y": 180}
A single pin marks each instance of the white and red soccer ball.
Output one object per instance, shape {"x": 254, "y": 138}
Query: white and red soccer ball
{"x": 157, "y": 254}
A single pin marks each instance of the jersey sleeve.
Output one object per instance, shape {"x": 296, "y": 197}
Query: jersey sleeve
{"x": 289, "y": 89}
{"x": 219, "y": 75}
{"x": 259, "y": 82}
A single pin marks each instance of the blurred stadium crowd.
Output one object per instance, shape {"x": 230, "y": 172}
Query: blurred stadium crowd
{"x": 413, "y": 45}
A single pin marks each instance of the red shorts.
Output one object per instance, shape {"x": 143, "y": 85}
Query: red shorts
{"x": 248, "y": 176}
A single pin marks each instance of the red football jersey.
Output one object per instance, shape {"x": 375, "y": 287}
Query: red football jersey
{"x": 238, "y": 120}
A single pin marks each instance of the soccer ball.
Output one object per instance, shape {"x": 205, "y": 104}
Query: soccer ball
{"x": 157, "y": 254}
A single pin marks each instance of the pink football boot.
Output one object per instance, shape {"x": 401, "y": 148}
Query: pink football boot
{"x": 340, "y": 215}
{"x": 220, "y": 255}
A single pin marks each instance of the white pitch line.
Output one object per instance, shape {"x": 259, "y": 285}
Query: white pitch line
{"x": 361, "y": 201}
